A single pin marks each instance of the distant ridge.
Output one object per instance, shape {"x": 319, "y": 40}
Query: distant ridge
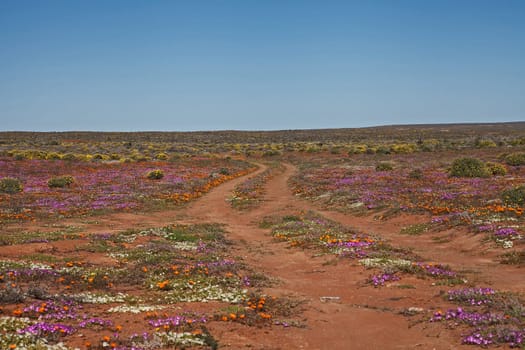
{"x": 409, "y": 132}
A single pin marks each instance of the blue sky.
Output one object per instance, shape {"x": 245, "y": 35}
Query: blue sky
{"x": 134, "y": 65}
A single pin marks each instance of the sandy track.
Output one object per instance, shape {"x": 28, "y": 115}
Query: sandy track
{"x": 354, "y": 323}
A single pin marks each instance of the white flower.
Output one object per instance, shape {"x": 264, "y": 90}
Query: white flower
{"x": 135, "y": 309}
{"x": 384, "y": 262}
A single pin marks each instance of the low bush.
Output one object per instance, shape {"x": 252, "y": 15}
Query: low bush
{"x": 60, "y": 181}
{"x": 384, "y": 166}
{"x": 416, "y": 174}
{"x": 10, "y": 185}
{"x": 156, "y": 174}
{"x": 468, "y": 167}
{"x": 161, "y": 156}
{"x": 515, "y": 159}
{"x": 496, "y": 169}
{"x": 514, "y": 196}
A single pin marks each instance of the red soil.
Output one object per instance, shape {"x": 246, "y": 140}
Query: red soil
{"x": 362, "y": 318}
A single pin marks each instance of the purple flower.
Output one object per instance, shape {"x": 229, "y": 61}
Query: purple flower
{"x": 506, "y": 232}
{"x": 44, "y": 329}
{"x": 472, "y": 296}
{"x": 379, "y": 280}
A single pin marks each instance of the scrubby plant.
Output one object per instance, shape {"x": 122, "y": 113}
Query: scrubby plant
{"x": 224, "y": 171}
{"x": 99, "y": 156}
{"x": 468, "y": 167}
{"x": 60, "y": 181}
{"x": 69, "y": 157}
{"x": 312, "y": 148}
{"x": 156, "y": 174}
{"x": 20, "y": 156}
{"x": 139, "y": 158}
{"x": 514, "y": 196}
{"x": 416, "y": 174}
{"x": 10, "y": 185}
{"x": 383, "y": 150}
{"x": 403, "y": 148}
{"x": 515, "y": 159}
{"x": 496, "y": 169}
{"x": 161, "y": 156}
{"x": 53, "y": 156}
{"x": 335, "y": 150}
{"x": 485, "y": 143}
{"x": 384, "y": 166}
{"x": 514, "y": 258}
{"x": 357, "y": 149}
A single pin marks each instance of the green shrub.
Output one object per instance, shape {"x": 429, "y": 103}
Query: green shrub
{"x": 99, "y": 156}
{"x": 10, "y": 185}
{"x": 383, "y": 150}
{"x": 139, "y": 158}
{"x": 468, "y": 167}
{"x": 514, "y": 196}
{"x": 156, "y": 174}
{"x": 313, "y": 149}
{"x": 485, "y": 143}
{"x": 53, "y": 156}
{"x": 357, "y": 149}
{"x": 416, "y": 174}
{"x": 515, "y": 159}
{"x": 403, "y": 148}
{"x": 272, "y": 152}
{"x": 69, "y": 157}
{"x": 161, "y": 156}
{"x": 20, "y": 156}
{"x": 496, "y": 169}
{"x": 384, "y": 166}
{"x": 60, "y": 181}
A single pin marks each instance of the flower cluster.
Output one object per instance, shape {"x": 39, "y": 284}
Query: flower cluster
{"x": 110, "y": 186}
{"x": 494, "y": 317}
{"x": 472, "y": 296}
{"x": 382, "y": 278}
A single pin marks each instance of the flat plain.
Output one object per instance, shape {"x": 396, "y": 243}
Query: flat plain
{"x": 400, "y": 237}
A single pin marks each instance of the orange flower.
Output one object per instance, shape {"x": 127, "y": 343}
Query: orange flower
{"x": 17, "y": 312}
{"x": 265, "y": 315}
{"x": 163, "y": 284}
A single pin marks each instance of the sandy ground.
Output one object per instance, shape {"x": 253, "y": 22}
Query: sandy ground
{"x": 362, "y": 317}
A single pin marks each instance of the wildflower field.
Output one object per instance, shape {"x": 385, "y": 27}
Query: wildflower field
{"x": 383, "y": 239}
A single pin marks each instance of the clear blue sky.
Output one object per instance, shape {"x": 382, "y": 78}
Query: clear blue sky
{"x": 258, "y": 64}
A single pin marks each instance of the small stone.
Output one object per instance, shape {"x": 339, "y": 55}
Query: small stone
{"x": 415, "y": 310}
{"x": 330, "y": 299}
